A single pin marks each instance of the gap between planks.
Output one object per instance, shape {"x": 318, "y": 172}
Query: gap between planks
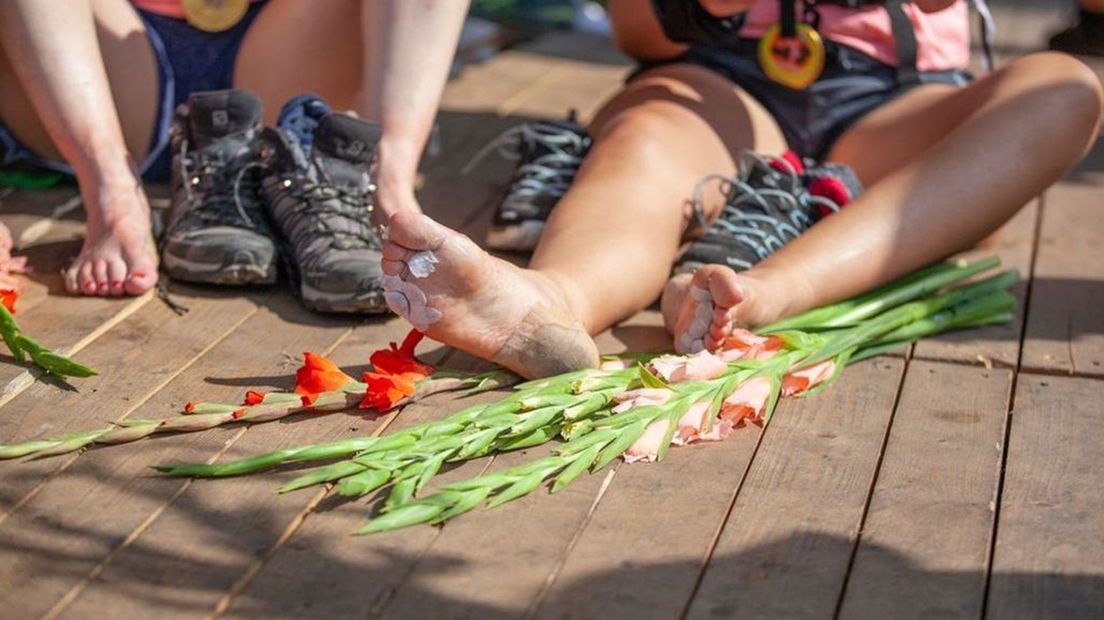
{"x": 77, "y": 589}
{"x": 169, "y": 378}
{"x": 27, "y": 378}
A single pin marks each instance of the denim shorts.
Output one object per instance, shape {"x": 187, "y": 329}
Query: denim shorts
{"x": 188, "y": 60}
{"x": 852, "y": 84}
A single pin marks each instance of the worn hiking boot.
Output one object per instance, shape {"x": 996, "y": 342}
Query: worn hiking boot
{"x": 549, "y": 154}
{"x": 767, "y": 205}
{"x": 319, "y": 195}
{"x": 216, "y": 231}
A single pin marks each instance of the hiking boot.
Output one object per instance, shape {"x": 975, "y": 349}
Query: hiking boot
{"x": 549, "y": 154}
{"x": 1086, "y": 37}
{"x": 767, "y": 205}
{"x": 216, "y": 231}
{"x": 319, "y": 195}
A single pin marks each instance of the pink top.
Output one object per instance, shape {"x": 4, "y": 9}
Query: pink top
{"x": 168, "y": 8}
{"x": 943, "y": 38}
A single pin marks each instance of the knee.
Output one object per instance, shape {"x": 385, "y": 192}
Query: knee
{"x": 1073, "y": 88}
{"x": 649, "y": 133}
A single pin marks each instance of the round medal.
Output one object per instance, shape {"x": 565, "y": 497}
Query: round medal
{"x": 214, "y": 15}
{"x": 794, "y": 62}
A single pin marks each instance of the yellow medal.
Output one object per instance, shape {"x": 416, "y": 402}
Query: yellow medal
{"x": 214, "y": 15}
{"x": 796, "y": 61}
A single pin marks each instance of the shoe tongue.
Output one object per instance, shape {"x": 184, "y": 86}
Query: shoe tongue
{"x": 341, "y": 136}
{"x": 216, "y": 114}
{"x": 299, "y": 118}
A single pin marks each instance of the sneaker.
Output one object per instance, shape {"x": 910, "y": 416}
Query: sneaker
{"x": 319, "y": 195}
{"x": 216, "y": 231}
{"x": 769, "y": 204}
{"x": 1086, "y": 37}
{"x": 549, "y": 155}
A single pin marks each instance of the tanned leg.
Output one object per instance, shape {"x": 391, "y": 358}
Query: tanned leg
{"x": 81, "y": 84}
{"x": 945, "y": 169}
{"x": 608, "y": 247}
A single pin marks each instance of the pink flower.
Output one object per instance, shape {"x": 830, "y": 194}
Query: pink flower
{"x": 691, "y": 423}
{"x": 646, "y": 447}
{"x": 747, "y": 345}
{"x": 800, "y": 380}
{"x": 640, "y": 398}
{"x": 701, "y": 366}
{"x": 747, "y": 402}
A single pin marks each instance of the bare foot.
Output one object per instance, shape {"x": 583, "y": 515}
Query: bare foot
{"x": 700, "y": 310}
{"x": 477, "y": 303}
{"x": 119, "y": 256}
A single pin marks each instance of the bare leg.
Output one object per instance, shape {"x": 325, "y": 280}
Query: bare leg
{"x": 609, "y": 245}
{"x": 70, "y": 106}
{"x": 962, "y": 163}
{"x": 300, "y": 47}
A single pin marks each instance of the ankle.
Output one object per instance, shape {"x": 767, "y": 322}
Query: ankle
{"x": 571, "y": 298}
{"x": 773, "y": 295}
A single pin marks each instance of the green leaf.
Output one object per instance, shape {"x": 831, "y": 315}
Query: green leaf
{"x": 401, "y": 492}
{"x": 580, "y": 464}
{"x": 432, "y": 466}
{"x": 649, "y": 379}
{"x": 363, "y": 483}
{"x": 523, "y": 486}
{"x": 402, "y": 516}
{"x": 626, "y": 437}
{"x": 477, "y": 443}
{"x": 320, "y": 475}
{"x": 467, "y": 500}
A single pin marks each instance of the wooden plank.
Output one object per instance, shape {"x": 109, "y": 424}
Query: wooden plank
{"x": 925, "y": 542}
{"x": 787, "y": 544}
{"x": 135, "y": 359}
{"x": 1065, "y": 325}
{"x": 1049, "y": 556}
{"x": 321, "y": 572}
{"x": 86, "y": 514}
{"x": 244, "y": 518}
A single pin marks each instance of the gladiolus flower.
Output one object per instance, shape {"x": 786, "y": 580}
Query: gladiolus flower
{"x": 8, "y": 297}
{"x": 318, "y": 375}
{"x": 701, "y": 366}
{"x": 746, "y": 345}
{"x": 189, "y": 407}
{"x": 385, "y": 391}
{"x": 400, "y": 359}
{"x": 253, "y": 397}
{"x": 800, "y": 380}
{"x": 640, "y": 398}
{"x": 747, "y": 402}
{"x": 646, "y": 448}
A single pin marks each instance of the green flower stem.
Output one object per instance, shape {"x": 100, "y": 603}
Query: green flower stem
{"x": 21, "y": 345}
{"x": 920, "y": 284}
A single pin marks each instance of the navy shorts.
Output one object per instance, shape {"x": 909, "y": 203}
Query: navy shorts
{"x": 852, "y": 84}
{"x": 188, "y": 60}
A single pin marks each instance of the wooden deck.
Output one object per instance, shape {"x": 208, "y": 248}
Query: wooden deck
{"x": 962, "y": 480}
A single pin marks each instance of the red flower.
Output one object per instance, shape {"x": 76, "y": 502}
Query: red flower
{"x": 395, "y": 374}
{"x": 318, "y": 375}
{"x": 189, "y": 407}
{"x": 400, "y": 359}
{"x": 8, "y": 297}
{"x": 253, "y": 397}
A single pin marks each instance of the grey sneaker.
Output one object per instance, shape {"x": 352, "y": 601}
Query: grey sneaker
{"x": 319, "y": 195}
{"x": 549, "y": 154}
{"x": 216, "y": 231}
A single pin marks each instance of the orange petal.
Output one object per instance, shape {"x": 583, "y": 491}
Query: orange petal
{"x": 253, "y": 397}
{"x": 318, "y": 375}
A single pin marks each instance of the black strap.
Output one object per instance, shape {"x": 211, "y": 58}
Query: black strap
{"x": 905, "y": 39}
{"x": 788, "y": 9}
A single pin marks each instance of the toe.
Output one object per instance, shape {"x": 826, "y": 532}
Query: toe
{"x": 392, "y": 267}
{"x": 85, "y": 279}
{"x": 99, "y": 274}
{"x": 415, "y": 231}
{"x": 722, "y": 283}
{"x": 116, "y": 277}
{"x": 71, "y": 277}
{"x": 141, "y": 276}
{"x": 395, "y": 252}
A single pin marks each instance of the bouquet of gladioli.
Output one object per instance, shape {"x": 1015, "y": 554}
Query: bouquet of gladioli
{"x": 635, "y": 407}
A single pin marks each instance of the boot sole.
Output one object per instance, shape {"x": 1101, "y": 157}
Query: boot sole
{"x": 224, "y": 275}
{"x": 368, "y": 303}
